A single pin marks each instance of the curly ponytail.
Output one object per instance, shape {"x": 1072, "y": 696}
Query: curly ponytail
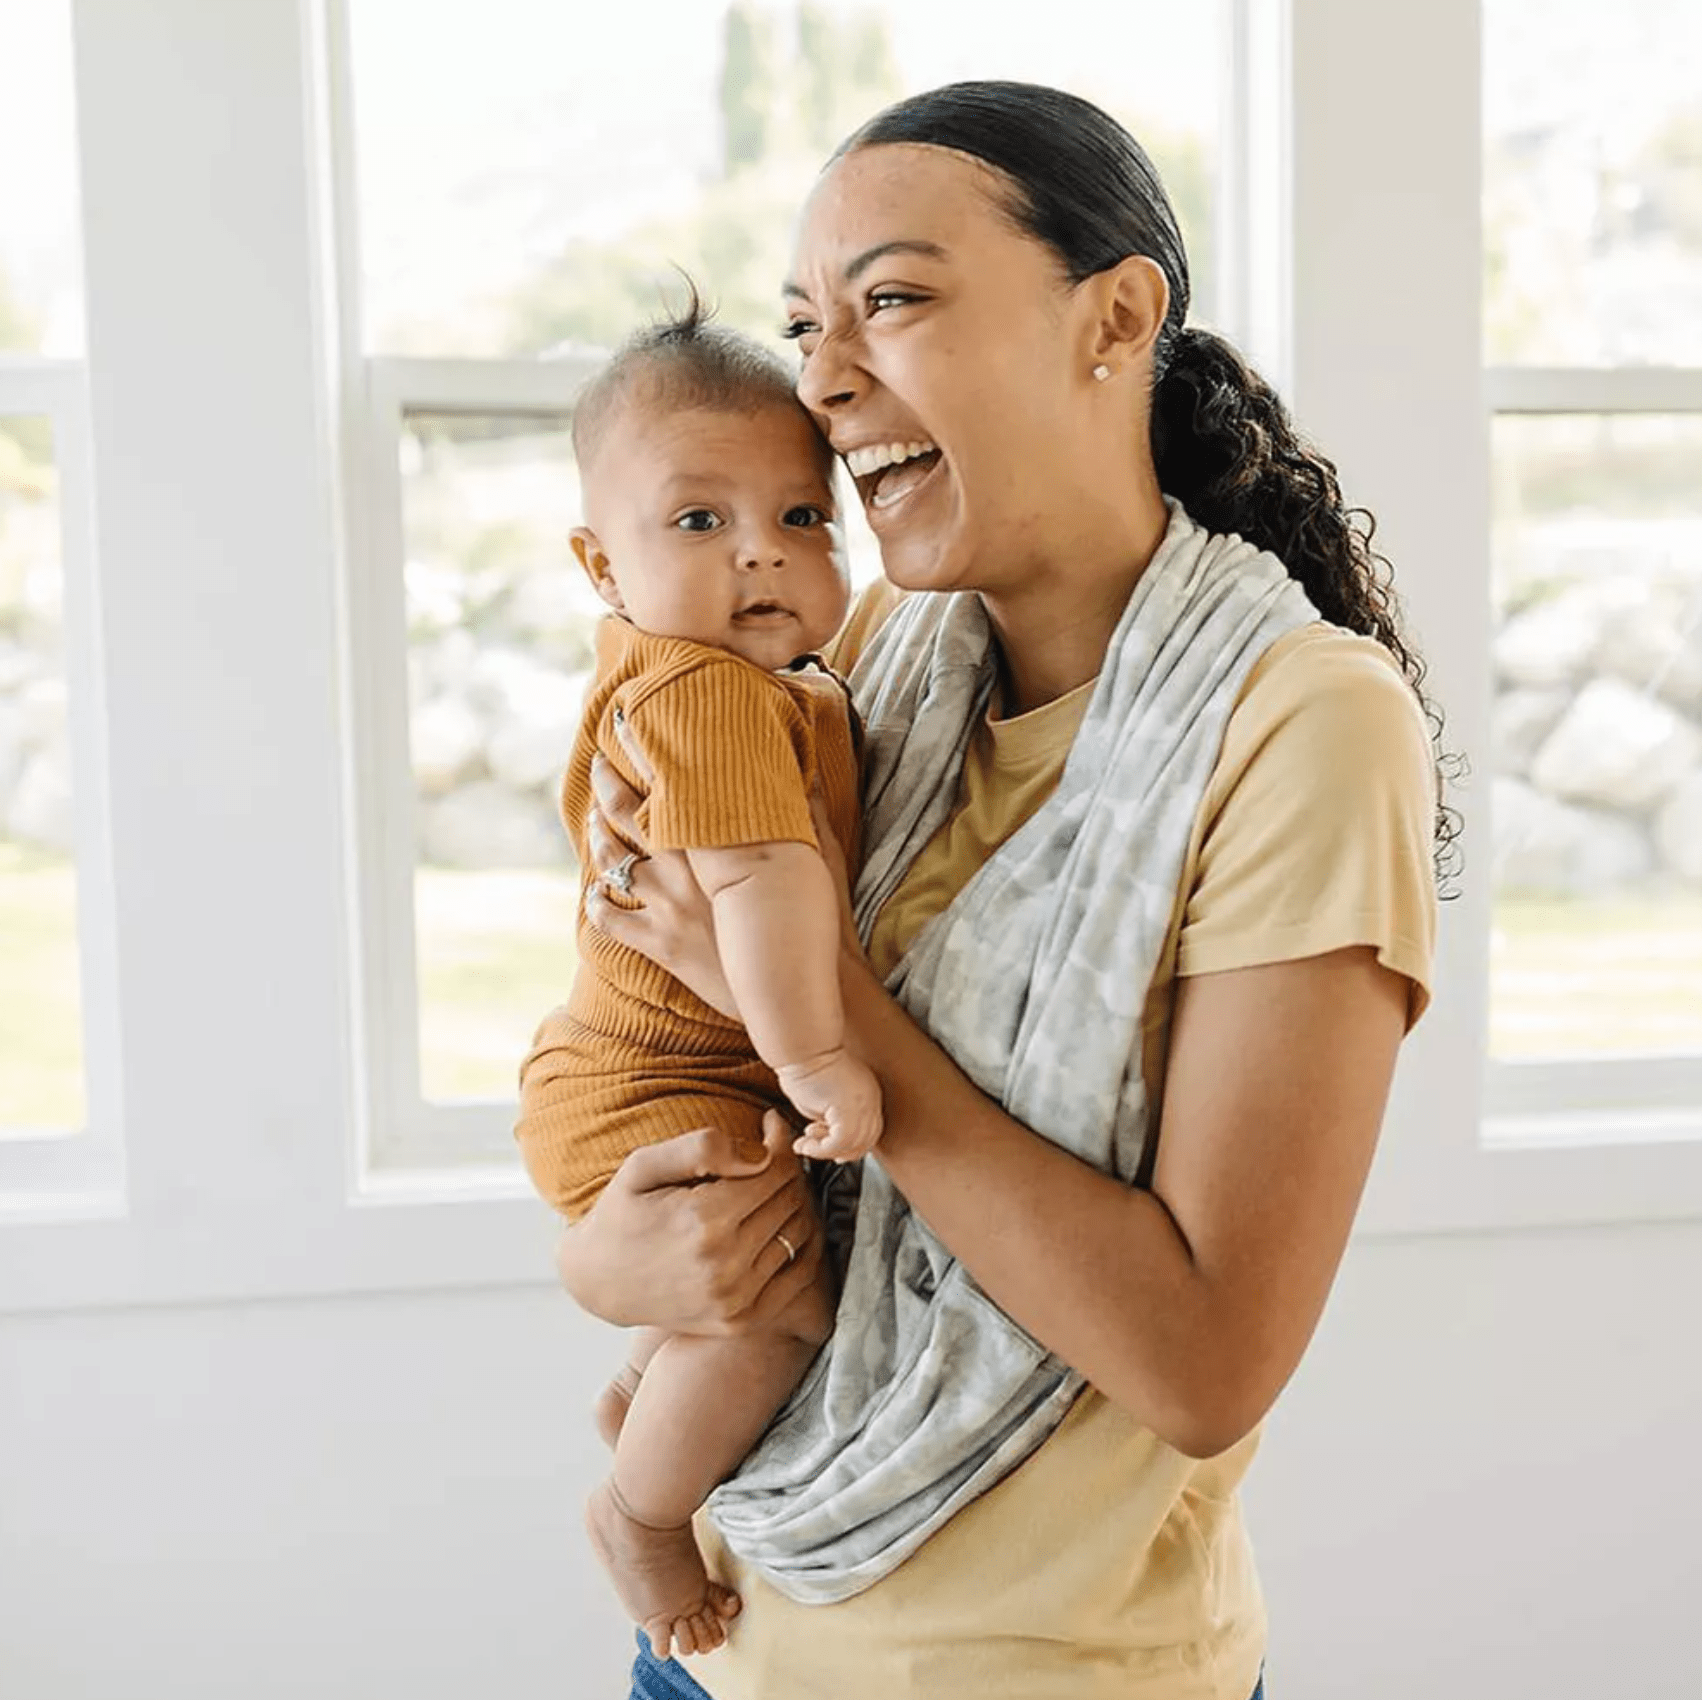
{"x": 1222, "y": 441}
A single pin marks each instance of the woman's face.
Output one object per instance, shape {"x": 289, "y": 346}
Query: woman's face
{"x": 928, "y": 322}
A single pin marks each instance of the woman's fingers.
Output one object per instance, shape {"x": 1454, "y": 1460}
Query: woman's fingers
{"x": 708, "y": 1153}
{"x": 617, "y": 802}
{"x": 605, "y": 847}
{"x": 634, "y": 750}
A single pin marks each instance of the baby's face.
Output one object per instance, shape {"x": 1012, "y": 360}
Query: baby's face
{"x": 717, "y": 527}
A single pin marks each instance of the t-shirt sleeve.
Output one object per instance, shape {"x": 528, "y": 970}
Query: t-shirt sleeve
{"x": 1320, "y": 832}
{"x": 728, "y": 748}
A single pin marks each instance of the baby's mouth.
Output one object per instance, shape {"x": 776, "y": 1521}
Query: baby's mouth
{"x": 763, "y": 613}
{"x": 887, "y": 472}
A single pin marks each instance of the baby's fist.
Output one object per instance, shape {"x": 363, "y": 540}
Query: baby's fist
{"x": 841, "y": 1099}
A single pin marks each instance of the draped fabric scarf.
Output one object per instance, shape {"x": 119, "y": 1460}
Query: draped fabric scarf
{"x": 1034, "y": 980}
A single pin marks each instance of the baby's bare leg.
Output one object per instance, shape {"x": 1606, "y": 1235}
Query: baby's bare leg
{"x": 699, "y": 1408}
{"x": 613, "y": 1403}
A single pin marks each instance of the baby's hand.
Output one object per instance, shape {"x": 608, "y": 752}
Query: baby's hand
{"x": 842, "y": 1100}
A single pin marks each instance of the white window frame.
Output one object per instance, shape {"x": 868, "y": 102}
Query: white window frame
{"x": 232, "y": 775}
{"x": 1653, "y": 1098}
{"x": 77, "y": 1171}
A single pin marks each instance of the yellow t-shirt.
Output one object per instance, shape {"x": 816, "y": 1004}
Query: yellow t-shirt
{"x": 1109, "y": 1566}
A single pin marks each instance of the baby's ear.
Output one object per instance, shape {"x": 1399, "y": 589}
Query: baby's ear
{"x": 589, "y": 553}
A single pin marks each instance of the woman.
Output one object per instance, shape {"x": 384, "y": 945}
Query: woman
{"x": 989, "y": 294}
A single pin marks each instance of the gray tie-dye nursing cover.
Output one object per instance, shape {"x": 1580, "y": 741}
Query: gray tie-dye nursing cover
{"x": 1034, "y": 980}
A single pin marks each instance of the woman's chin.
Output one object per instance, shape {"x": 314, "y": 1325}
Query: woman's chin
{"x": 925, "y": 560}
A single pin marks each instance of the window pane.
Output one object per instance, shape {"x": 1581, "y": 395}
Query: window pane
{"x": 1597, "y": 948}
{"x": 41, "y": 267}
{"x": 1593, "y": 182}
{"x": 41, "y": 1062}
{"x": 499, "y": 649}
{"x": 528, "y": 170}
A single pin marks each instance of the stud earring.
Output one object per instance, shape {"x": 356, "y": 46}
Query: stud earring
{"x": 1102, "y": 372}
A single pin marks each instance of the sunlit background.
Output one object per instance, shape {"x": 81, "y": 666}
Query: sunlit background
{"x": 528, "y": 174}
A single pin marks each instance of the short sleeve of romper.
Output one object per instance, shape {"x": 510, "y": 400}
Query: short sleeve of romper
{"x": 731, "y": 754}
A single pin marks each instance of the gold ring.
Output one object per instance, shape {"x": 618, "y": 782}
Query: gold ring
{"x": 791, "y": 1250}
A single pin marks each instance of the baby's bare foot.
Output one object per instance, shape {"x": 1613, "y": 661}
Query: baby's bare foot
{"x": 660, "y": 1578}
{"x": 613, "y": 1403}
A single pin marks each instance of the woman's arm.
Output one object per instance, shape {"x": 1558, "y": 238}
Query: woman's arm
{"x": 1191, "y": 1304}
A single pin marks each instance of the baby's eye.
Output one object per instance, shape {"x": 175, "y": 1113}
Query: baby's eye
{"x": 698, "y": 519}
{"x": 806, "y": 515}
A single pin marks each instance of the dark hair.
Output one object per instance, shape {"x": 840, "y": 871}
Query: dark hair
{"x": 684, "y": 361}
{"x": 1223, "y": 443}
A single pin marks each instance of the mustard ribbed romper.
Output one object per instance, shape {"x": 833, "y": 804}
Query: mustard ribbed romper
{"x": 633, "y": 1057}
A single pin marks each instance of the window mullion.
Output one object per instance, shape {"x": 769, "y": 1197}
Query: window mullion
{"x": 1593, "y": 389}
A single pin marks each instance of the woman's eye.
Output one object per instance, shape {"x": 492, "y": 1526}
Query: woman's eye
{"x": 881, "y": 299}
{"x": 795, "y": 328}
{"x": 697, "y": 519}
{"x": 805, "y": 516}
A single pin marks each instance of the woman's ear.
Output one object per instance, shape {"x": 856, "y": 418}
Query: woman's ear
{"x": 1130, "y": 301}
{"x": 589, "y": 554}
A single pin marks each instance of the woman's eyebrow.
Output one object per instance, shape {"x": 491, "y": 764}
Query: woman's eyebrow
{"x": 855, "y": 268}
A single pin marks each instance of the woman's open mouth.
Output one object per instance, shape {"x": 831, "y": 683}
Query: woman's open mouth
{"x": 887, "y": 473}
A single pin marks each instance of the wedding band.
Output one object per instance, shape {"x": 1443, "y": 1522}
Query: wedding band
{"x": 619, "y": 877}
{"x": 791, "y": 1250}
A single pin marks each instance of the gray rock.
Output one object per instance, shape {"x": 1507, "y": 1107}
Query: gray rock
{"x": 42, "y": 705}
{"x": 20, "y": 666}
{"x": 435, "y": 602}
{"x": 531, "y": 746}
{"x": 40, "y": 809}
{"x": 1656, "y": 644}
{"x": 448, "y": 740}
{"x": 486, "y": 825}
{"x": 12, "y": 750}
{"x": 1545, "y": 848}
{"x": 1554, "y": 641}
{"x": 1678, "y": 830}
{"x": 1520, "y": 721}
{"x": 1616, "y": 748}
{"x": 553, "y": 600}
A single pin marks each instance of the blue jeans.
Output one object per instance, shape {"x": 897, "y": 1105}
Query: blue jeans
{"x": 654, "y": 1680}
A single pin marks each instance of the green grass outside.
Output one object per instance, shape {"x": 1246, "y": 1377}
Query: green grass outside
{"x": 496, "y": 951}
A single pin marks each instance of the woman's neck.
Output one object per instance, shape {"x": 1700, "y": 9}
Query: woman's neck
{"x": 1054, "y": 628}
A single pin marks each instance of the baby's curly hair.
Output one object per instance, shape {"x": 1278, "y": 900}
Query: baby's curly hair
{"x": 681, "y": 362}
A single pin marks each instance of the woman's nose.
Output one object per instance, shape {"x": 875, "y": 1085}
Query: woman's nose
{"x": 830, "y": 377}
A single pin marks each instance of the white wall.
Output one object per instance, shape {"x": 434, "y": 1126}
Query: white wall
{"x": 1484, "y": 1484}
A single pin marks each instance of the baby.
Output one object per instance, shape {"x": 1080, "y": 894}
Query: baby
{"x": 710, "y": 533}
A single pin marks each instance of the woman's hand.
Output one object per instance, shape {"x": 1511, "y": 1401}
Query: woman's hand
{"x": 697, "y": 1236}
{"x": 663, "y": 914}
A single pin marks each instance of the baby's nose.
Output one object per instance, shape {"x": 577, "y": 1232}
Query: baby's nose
{"x": 763, "y": 551}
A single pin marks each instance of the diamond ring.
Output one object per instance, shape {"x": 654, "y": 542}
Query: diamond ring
{"x": 619, "y": 877}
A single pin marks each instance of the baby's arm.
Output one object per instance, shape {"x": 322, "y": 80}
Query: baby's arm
{"x": 777, "y": 929}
